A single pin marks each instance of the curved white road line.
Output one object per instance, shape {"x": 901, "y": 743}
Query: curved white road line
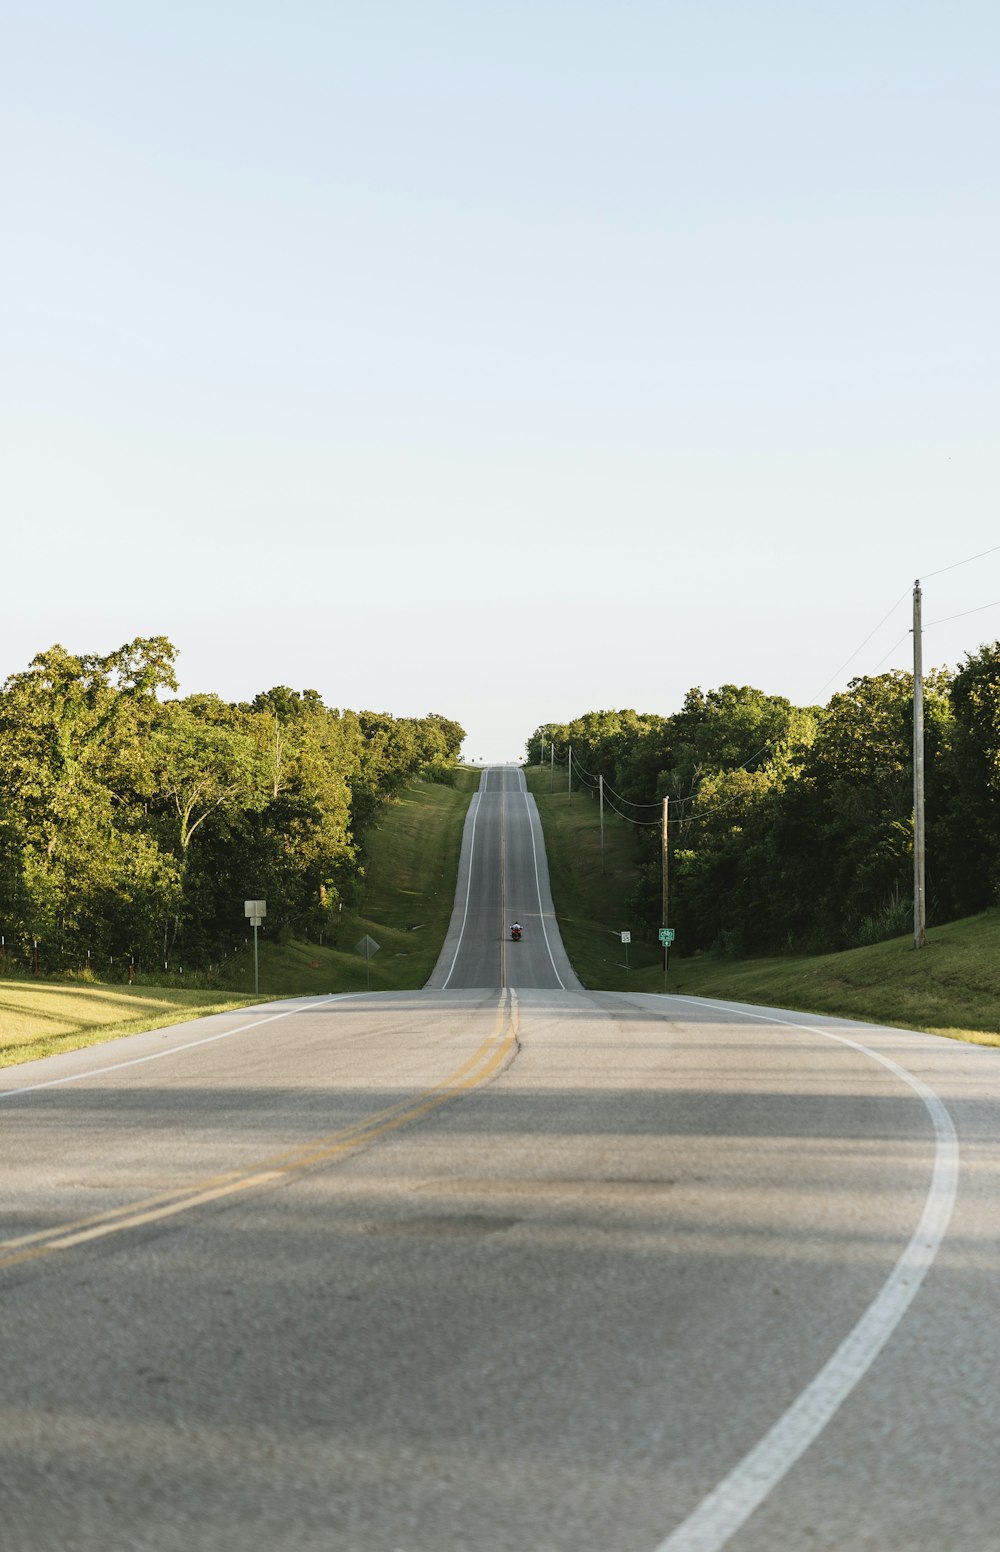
{"x": 468, "y": 886}
{"x": 538, "y": 885}
{"x": 170, "y": 1050}
{"x": 727, "y": 1508}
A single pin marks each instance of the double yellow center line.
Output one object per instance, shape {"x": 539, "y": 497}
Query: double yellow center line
{"x": 491, "y": 1056}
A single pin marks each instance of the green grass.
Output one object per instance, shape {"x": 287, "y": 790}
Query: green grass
{"x": 410, "y": 890}
{"x": 590, "y": 892}
{"x": 412, "y": 868}
{"x": 952, "y": 987}
{"x": 39, "y": 1018}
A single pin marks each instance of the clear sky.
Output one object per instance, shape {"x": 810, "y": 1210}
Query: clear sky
{"x": 501, "y": 358}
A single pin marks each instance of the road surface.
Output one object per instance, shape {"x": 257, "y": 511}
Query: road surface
{"x": 503, "y": 877}
{"x": 501, "y": 1266}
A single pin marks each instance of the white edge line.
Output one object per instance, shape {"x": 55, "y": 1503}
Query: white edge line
{"x": 538, "y": 886}
{"x": 468, "y": 886}
{"x": 727, "y": 1508}
{"x": 171, "y": 1050}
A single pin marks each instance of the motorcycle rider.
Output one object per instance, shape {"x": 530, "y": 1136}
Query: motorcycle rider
{"x": 515, "y": 929}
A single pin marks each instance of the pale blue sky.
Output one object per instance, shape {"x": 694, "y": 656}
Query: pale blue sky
{"x": 507, "y": 359}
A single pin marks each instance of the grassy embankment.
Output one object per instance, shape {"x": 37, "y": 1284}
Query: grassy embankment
{"x": 950, "y": 988}
{"x": 410, "y": 878}
{"x": 39, "y": 1018}
{"x": 410, "y": 888}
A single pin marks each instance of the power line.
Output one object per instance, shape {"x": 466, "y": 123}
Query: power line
{"x": 925, "y": 577}
{"x": 633, "y": 802}
{"x": 891, "y": 650}
{"x": 628, "y": 817}
{"x": 954, "y": 565}
{"x": 964, "y": 612}
{"x": 580, "y": 770}
{"x": 864, "y": 644}
{"x": 583, "y": 771}
{"x": 943, "y": 621}
{"x": 773, "y": 744}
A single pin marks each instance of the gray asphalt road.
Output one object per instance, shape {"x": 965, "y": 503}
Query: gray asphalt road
{"x": 496, "y": 1268}
{"x": 503, "y": 877}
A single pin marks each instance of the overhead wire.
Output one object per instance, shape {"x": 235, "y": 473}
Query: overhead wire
{"x": 633, "y": 802}
{"x": 579, "y": 769}
{"x": 891, "y": 650}
{"x": 649, "y": 823}
{"x": 963, "y": 614}
{"x": 954, "y": 566}
{"x": 926, "y": 576}
{"x": 864, "y": 644}
{"x": 592, "y": 782}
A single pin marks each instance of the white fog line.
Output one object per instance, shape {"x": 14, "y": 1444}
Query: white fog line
{"x": 538, "y": 886}
{"x": 155, "y": 1056}
{"x": 468, "y": 884}
{"x": 727, "y": 1508}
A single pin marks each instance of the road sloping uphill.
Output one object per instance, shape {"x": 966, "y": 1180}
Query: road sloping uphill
{"x": 503, "y": 877}
{"x": 499, "y": 1264}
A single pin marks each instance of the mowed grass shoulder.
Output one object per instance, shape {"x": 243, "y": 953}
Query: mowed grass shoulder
{"x": 590, "y": 889}
{"x": 39, "y": 1018}
{"x": 410, "y": 888}
{"x": 951, "y": 987}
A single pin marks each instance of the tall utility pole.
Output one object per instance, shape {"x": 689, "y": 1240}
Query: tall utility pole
{"x": 919, "y": 851}
{"x": 600, "y": 788}
{"x": 666, "y": 947}
{"x": 666, "y": 805}
{"x": 569, "y": 788}
{"x": 552, "y": 765}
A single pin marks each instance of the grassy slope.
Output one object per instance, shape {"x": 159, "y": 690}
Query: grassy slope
{"x": 412, "y": 867}
{"x": 590, "y": 903}
{"x": 950, "y": 988}
{"x": 38, "y": 1018}
{"x": 409, "y": 893}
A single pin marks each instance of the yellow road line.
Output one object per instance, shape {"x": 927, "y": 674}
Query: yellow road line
{"x": 487, "y": 1060}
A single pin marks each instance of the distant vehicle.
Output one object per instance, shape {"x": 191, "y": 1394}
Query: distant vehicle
{"x": 515, "y": 932}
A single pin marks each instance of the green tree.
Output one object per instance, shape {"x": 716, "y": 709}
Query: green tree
{"x": 73, "y": 742}
{"x": 963, "y": 841}
{"x": 205, "y": 765}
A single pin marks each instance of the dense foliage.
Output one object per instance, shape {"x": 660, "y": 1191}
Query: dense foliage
{"x": 134, "y": 824}
{"x": 793, "y": 827}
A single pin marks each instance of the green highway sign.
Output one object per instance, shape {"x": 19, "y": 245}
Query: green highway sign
{"x": 666, "y": 935}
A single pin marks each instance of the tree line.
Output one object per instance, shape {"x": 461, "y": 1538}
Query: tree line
{"x": 134, "y": 823}
{"x": 791, "y": 828}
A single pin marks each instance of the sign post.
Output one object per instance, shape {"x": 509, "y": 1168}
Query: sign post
{"x": 368, "y": 948}
{"x": 255, "y": 911}
{"x": 626, "y": 939}
{"x": 666, "y": 938}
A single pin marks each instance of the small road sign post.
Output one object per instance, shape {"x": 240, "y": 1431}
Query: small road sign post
{"x": 666, "y": 938}
{"x": 255, "y": 911}
{"x": 367, "y": 948}
{"x": 626, "y": 939}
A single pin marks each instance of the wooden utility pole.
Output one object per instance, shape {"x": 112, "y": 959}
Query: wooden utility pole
{"x": 666, "y": 804}
{"x": 666, "y": 875}
{"x": 600, "y": 788}
{"x": 552, "y": 764}
{"x": 919, "y": 850}
{"x": 570, "y": 769}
